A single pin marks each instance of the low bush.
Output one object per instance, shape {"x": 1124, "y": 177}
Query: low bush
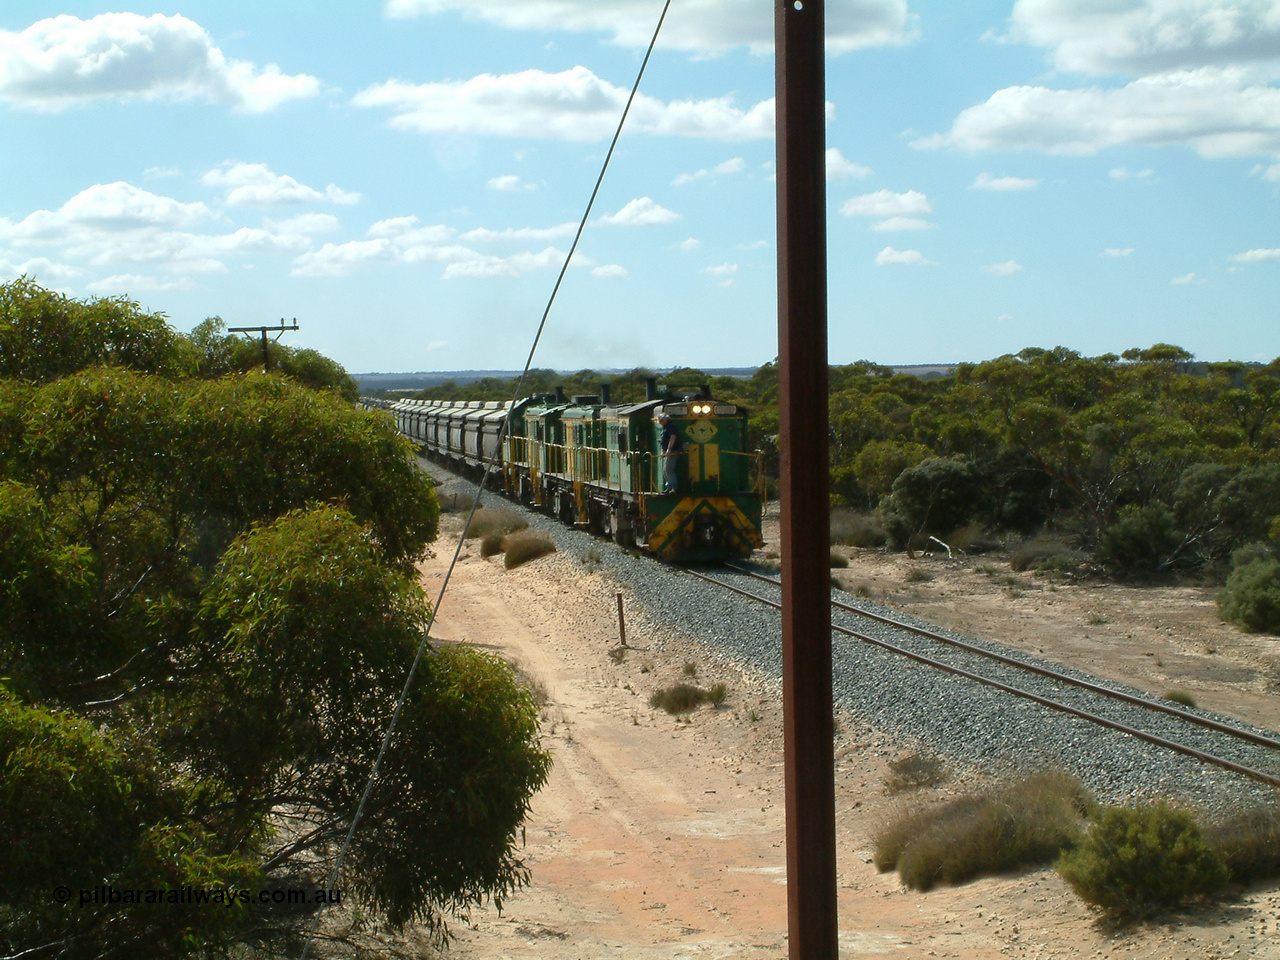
{"x": 839, "y": 560}
{"x": 914, "y": 771}
{"x": 488, "y": 521}
{"x": 1180, "y": 697}
{"x": 853, "y": 529}
{"x": 1134, "y": 860}
{"x": 971, "y": 539}
{"x": 490, "y": 544}
{"x": 1142, "y": 538}
{"x": 918, "y": 575}
{"x": 1044, "y": 555}
{"x": 1251, "y": 598}
{"x": 1028, "y": 822}
{"x": 525, "y": 546}
{"x": 685, "y": 698}
{"x": 1248, "y": 843}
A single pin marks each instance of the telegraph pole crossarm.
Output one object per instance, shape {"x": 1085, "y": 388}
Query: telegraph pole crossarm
{"x": 263, "y": 331}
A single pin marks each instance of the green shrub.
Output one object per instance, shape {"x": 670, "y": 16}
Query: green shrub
{"x": 1143, "y": 538}
{"x": 1044, "y": 555}
{"x": 853, "y": 529}
{"x": 839, "y": 560}
{"x": 914, "y": 771}
{"x": 525, "y": 546}
{"x": 1137, "y": 859}
{"x": 685, "y": 698}
{"x": 1180, "y": 697}
{"x": 1251, "y": 598}
{"x": 1028, "y": 822}
{"x": 933, "y": 497}
{"x": 1249, "y": 844}
{"x": 487, "y": 521}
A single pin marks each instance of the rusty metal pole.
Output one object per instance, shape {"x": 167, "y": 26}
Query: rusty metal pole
{"x": 812, "y": 911}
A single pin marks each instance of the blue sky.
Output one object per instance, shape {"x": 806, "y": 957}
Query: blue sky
{"x": 402, "y": 177}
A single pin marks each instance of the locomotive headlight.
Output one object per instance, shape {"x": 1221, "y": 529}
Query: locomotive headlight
{"x": 701, "y": 408}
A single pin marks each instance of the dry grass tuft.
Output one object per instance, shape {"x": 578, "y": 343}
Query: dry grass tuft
{"x": 525, "y": 546}
{"x": 685, "y": 698}
{"x": 1028, "y": 822}
{"x": 489, "y": 521}
{"x": 914, "y": 771}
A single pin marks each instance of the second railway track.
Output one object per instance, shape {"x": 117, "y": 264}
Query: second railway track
{"x": 976, "y": 661}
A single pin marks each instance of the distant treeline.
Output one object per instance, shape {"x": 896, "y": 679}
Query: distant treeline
{"x": 1147, "y": 459}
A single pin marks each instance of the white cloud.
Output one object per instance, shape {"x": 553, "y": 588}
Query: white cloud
{"x": 63, "y": 60}
{"x": 838, "y": 168}
{"x": 911, "y": 258}
{"x": 1270, "y": 173}
{"x": 689, "y": 245}
{"x": 986, "y": 181}
{"x": 339, "y": 259}
{"x": 304, "y": 225}
{"x": 1216, "y": 111}
{"x": 40, "y": 268}
{"x": 1186, "y": 279}
{"x": 120, "y": 223}
{"x": 509, "y": 182}
{"x": 1120, "y": 173}
{"x": 702, "y": 26}
{"x": 574, "y": 104}
{"x": 898, "y": 224}
{"x": 610, "y": 271}
{"x": 253, "y": 184}
{"x": 736, "y": 165}
{"x": 722, "y": 270}
{"x": 1258, "y": 255}
{"x": 521, "y": 233}
{"x": 886, "y": 203}
{"x": 130, "y": 283}
{"x": 1006, "y": 269}
{"x": 1117, "y": 251}
{"x": 641, "y": 212}
{"x": 753, "y": 245}
{"x": 1149, "y": 36}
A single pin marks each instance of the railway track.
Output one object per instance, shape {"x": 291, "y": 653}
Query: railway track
{"x": 975, "y": 662}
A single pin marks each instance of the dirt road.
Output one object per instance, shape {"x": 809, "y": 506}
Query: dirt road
{"x": 663, "y": 838}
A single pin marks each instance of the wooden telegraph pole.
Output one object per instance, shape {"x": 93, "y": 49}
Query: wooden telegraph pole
{"x": 263, "y": 331}
{"x": 812, "y": 916}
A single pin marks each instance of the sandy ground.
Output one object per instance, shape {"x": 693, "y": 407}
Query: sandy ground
{"x": 663, "y": 838}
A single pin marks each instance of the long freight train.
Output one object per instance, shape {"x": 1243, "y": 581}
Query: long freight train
{"x": 600, "y": 465}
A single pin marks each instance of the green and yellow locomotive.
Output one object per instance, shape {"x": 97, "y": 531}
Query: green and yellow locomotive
{"x": 602, "y": 466}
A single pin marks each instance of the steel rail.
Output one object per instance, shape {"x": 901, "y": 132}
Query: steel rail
{"x": 1171, "y": 710}
{"x": 1152, "y": 738}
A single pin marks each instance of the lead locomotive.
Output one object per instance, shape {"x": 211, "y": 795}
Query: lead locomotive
{"x": 601, "y": 465}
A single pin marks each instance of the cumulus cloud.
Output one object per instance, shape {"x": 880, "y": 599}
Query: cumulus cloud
{"x": 838, "y": 168}
{"x": 1120, "y": 173}
{"x": 64, "y": 60}
{"x": 1150, "y": 36}
{"x": 898, "y": 224}
{"x": 121, "y": 223}
{"x": 886, "y": 203}
{"x": 689, "y": 245}
{"x": 641, "y": 212}
{"x": 1269, "y": 173}
{"x": 1187, "y": 278}
{"x": 483, "y": 234}
{"x": 1117, "y": 251}
{"x": 986, "y": 181}
{"x": 700, "y": 26}
{"x": 403, "y": 240}
{"x": 1006, "y": 269}
{"x": 41, "y": 268}
{"x": 735, "y": 165}
{"x": 911, "y": 258}
{"x": 1259, "y": 255}
{"x": 610, "y": 271}
{"x": 509, "y": 182}
{"x": 1217, "y": 111}
{"x": 574, "y": 104}
{"x": 721, "y": 270}
{"x": 131, "y": 283}
{"x": 254, "y": 184}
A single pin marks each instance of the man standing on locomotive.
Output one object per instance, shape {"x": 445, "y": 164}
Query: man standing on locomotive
{"x": 671, "y": 447}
